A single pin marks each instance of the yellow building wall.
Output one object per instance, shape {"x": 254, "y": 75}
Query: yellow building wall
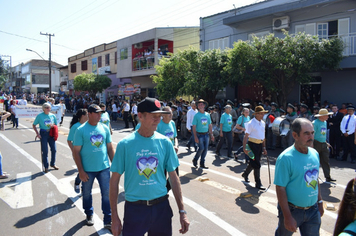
{"x": 185, "y": 38}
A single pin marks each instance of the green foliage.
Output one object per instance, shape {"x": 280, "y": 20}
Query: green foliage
{"x": 3, "y": 73}
{"x": 191, "y": 72}
{"x": 91, "y": 83}
{"x": 281, "y": 63}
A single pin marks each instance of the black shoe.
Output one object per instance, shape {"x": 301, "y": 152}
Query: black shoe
{"x": 217, "y": 153}
{"x": 188, "y": 146}
{"x": 195, "y": 164}
{"x": 330, "y": 179}
{"x": 204, "y": 167}
{"x": 260, "y": 187}
{"x": 230, "y": 156}
{"x": 245, "y": 177}
{"x": 90, "y": 220}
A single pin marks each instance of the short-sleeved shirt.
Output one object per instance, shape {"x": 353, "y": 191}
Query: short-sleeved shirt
{"x": 93, "y": 140}
{"x": 245, "y": 120}
{"x": 105, "y": 119}
{"x": 144, "y": 160}
{"x": 351, "y": 227}
{"x": 320, "y": 130}
{"x": 298, "y": 173}
{"x": 169, "y": 130}
{"x": 45, "y": 121}
{"x": 226, "y": 121}
{"x": 202, "y": 122}
{"x": 255, "y": 129}
{"x": 72, "y": 131}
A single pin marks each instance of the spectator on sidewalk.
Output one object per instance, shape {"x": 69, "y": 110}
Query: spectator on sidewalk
{"x": 3, "y": 175}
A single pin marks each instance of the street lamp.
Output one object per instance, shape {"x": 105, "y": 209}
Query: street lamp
{"x": 50, "y": 83}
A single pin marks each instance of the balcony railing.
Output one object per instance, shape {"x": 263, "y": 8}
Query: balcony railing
{"x": 350, "y": 44}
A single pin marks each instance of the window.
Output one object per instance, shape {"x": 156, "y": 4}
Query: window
{"x": 123, "y": 53}
{"x": 100, "y": 61}
{"x": 73, "y": 68}
{"x": 115, "y": 58}
{"x": 85, "y": 65}
{"x": 221, "y": 43}
{"x": 107, "y": 59}
{"x": 323, "y": 30}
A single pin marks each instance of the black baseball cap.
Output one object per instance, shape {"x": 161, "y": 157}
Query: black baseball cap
{"x": 150, "y": 105}
{"x": 95, "y": 108}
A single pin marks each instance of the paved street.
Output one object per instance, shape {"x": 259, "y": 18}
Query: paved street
{"x": 33, "y": 203}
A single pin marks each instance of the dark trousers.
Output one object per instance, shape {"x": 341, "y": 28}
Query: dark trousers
{"x": 335, "y": 141}
{"x": 323, "y": 151}
{"x": 349, "y": 146}
{"x": 228, "y": 137}
{"x": 139, "y": 219}
{"x": 134, "y": 121}
{"x": 257, "y": 150}
{"x": 126, "y": 119}
{"x": 15, "y": 121}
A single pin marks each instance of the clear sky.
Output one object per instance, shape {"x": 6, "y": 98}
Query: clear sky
{"x": 82, "y": 24}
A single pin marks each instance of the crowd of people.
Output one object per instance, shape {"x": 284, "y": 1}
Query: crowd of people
{"x": 315, "y": 135}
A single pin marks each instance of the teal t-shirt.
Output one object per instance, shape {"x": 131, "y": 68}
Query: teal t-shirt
{"x": 169, "y": 130}
{"x": 105, "y": 119}
{"x": 45, "y": 121}
{"x": 72, "y": 131}
{"x": 351, "y": 227}
{"x": 320, "y": 130}
{"x": 226, "y": 121}
{"x": 144, "y": 160}
{"x": 202, "y": 122}
{"x": 298, "y": 173}
{"x": 239, "y": 120}
{"x": 93, "y": 140}
{"x": 138, "y": 126}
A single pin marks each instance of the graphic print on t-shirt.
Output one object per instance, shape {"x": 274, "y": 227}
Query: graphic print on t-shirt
{"x": 104, "y": 120}
{"x": 323, "y": 131}
{"x": 169, "y": 134}
{"x": 147, "y": 166}
{"x": 204, "y": 121}
{"x": 96, "y": 140}
{"x": 229, "y": 121}
{"x": 47, "y": 122}
{"x": 311, "y": 178}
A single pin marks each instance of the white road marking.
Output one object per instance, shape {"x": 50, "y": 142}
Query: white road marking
{"x": 62, "y": 188}
{"x": 22, "y": 195}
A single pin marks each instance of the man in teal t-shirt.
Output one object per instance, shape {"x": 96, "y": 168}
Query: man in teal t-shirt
{"x": 92, "y": 147}
{"x": 225, "y": 131}
{"x": 202, "y": 128}
{"x": 296, "y": 179}
{"x": 320, "y": 143}
{"x": 144, "y": 156}
{"x": 167, "y": 127}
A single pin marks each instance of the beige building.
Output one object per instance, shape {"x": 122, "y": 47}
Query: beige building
{"x": 101, "y": 59}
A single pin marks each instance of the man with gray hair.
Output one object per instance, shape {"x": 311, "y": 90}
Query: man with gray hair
{"x": 296, "y": 179}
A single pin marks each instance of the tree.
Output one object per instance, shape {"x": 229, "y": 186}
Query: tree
{"x": 3, "y": 73}
{"x": 192, "y": 72}
{"x": 91, "y": 83}
{"x": 281, "y": 63}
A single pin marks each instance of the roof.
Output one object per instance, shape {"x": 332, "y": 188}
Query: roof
{"x": 43, "y": 63}
{"x": 272, "y": 7}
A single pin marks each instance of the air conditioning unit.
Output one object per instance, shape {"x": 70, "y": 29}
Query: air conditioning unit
{"x": 138, "y": 45}
{"x": 280, "y": 23}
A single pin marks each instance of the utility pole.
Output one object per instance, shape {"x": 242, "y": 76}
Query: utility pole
{"x": 49, "y": 63}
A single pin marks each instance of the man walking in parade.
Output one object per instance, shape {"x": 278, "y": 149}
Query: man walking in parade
{"x": 255, "y": 138}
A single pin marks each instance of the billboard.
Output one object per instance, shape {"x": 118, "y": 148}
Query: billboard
{"x": 129, "y": 89}
{"x": 94, "y": 63}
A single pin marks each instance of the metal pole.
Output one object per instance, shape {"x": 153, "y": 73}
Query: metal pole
{"x": 49, "y": 64}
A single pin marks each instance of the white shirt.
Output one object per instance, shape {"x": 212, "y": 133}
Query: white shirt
{"x": 127, "y": 107}
{"x": 350, "y": 126}
{"x": 255, "y": 129}
{"x": 134, "y": 110}
{"x": 114, "y": 108}
{"x": 190, "y": 115}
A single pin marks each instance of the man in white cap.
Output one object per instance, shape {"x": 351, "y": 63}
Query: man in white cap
{"x": 320, "y": 143}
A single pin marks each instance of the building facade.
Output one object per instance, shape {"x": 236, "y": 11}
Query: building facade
{"x": 325, "y": 18}
{"x": 100, "y": 60}
{"x": 33, "y": 77}
{"x": 139, "y": 53}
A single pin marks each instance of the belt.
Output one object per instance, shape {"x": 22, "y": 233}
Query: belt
{"x": 202, "y": 133}
{"x": 298, "y": 207}
{"x": 151, "y": 202}
{"x": 255, "y": 140}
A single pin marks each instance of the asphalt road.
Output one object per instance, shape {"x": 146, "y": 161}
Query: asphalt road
{"x": 217, "y": 200}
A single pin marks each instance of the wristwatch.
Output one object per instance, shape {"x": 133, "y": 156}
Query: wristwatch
{"x": 321, "y": 201}
{"x": 182, "y": 211}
